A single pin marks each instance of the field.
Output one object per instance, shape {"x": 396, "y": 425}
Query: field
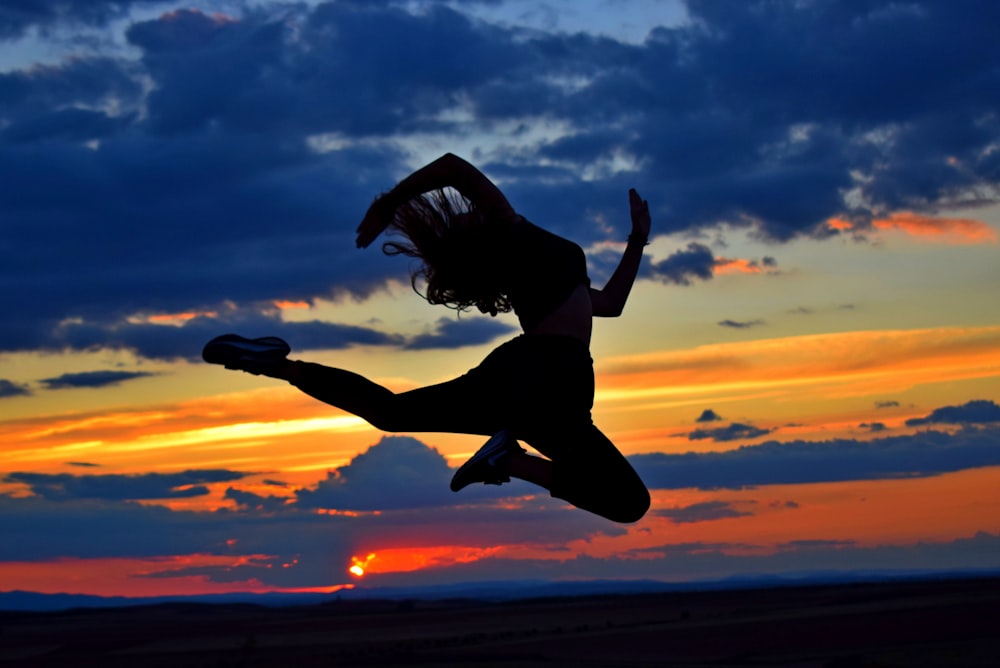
{"x": 911, "y": 623}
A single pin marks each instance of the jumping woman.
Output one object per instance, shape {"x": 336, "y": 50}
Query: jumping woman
{"x": 538, "y": 388}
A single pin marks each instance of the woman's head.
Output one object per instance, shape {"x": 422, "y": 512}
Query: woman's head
{"x": 461, "y": 252}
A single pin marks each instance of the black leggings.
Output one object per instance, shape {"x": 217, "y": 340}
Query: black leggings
{"x": 541, "y": 388}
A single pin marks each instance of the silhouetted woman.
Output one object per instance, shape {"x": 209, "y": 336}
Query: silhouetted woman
{"x": 538, "y": 388}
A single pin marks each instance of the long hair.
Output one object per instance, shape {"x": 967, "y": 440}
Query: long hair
{"x": 461, "y": 254}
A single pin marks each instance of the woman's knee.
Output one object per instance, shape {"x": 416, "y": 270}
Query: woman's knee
{"x": 622, "y": 499}
{"x": 631, "y": 507}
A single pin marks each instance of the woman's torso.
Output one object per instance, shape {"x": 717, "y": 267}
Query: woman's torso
{"x": 549, "y": 287}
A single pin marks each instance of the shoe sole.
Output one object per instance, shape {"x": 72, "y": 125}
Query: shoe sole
{"x": 231, "y": 348}
{"x": 492, "y": 451}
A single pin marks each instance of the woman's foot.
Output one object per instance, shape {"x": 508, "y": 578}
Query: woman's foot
{"x": 263, "y": 356}
{"x": 489, "y": 464}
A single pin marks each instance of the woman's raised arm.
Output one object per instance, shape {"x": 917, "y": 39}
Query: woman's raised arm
{"x": 610, "y": 301}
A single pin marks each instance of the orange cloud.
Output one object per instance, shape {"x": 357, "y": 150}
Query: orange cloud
{"x": 285, "y": 304}
{"x": 955, "y": 230}
{"x": 736, "y": 266}
{"x": 948, "y": 230}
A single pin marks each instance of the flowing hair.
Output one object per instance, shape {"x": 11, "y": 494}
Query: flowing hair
{"x": 460, "y": 251}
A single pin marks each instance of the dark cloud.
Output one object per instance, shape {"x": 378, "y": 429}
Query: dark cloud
{"x": 456, "y": 333}
{"x": 706, "y": 511}
{"x": 708, "y": 415}
{"x": 11, "y": 389}
{"x": 121, "y": 487}
{"x": 815, "y": 545}
{"x": 85, "y": 465}
{"x": 923, "y": 454}
{"x": 681, "y": 267}
{"x": 873, "y": 426}
{"x": 18, "y": 17}
{"x": 396, "y": 472}
{"x": 979, "y": 411}
{"x": 187, "y": 341}
{"x": 733, "y": 432}
{"x": 256, "y": 502}
{"x": 747, "y": 324}
{"x": 92, "y": 379}
{"x": 229, "y": 160}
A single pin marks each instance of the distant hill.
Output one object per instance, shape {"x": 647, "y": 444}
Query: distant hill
{"x": 483, "y": 591}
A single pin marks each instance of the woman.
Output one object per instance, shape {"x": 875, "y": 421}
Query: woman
{"x": 537, "y": 388}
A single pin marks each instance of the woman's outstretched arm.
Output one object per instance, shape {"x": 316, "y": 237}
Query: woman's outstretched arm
{"x": 610, "y": 301}
{"x": 447, "y": 171}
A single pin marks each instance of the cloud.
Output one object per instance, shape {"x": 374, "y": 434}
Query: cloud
{"x": 734, "y": 432}
{"x": 733, "y": 324}
{"x": 122, "y": 487}
{"x": 681, "y": 267}
{"x": 11, "y": 389}
{"x": 948, "y": 230}
{"x": 226, "y": 159}
{"x": 92, "y": 379}
{"x": 706, "y": 511}
{"x": 886, "y": 404}
{"x": 249, "y": 501}
{"x": 979, "y": 411}
{"x": 742, "y": 266}
{"x": 873, "y": 426}
{"x": 17, "y": 19}
{"x": 452, "y": 333}
{"x": 396, "y": 472}
{"x": 922, "y": 454}
{"x": 708, "y": 415}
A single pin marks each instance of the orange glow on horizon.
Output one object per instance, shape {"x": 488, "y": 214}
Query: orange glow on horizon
{"x": 130, "y": 577}
{"x": 407, "y": 559}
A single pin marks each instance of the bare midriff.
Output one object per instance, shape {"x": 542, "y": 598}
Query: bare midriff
{"x": 574, "y": 317}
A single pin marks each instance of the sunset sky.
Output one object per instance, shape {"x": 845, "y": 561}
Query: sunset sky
{"x": 807, "y": 375}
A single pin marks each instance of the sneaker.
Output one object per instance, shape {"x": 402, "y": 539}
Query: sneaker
{"x": 488, "y": 464}
{"x": 232, "y": 350}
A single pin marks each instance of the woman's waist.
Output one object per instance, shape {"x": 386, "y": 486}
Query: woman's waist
{"x": 573, "y": 318}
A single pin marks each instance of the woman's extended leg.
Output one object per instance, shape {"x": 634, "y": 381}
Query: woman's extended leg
{"x": 456, "y": 406}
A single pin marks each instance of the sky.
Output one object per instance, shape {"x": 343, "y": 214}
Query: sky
{"x": 807, "y": 374}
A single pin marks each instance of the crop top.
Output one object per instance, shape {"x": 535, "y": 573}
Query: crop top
{"x": 545, "y": 270}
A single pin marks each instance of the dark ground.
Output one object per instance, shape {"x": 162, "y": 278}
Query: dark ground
{"x": 928, "y": 623}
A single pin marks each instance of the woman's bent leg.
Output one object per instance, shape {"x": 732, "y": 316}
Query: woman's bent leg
{"x": 589, "y": 472}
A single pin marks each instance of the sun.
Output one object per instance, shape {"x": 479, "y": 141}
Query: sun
{"x": 358, "y": 566}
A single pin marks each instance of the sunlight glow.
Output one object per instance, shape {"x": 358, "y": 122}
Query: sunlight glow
{"x": 359, "y": 566}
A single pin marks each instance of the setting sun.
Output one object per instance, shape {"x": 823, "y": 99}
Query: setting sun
{"x": 357, "y": 568}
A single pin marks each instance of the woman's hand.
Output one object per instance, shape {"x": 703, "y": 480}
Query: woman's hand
{"x": 639, "y": 209}
{"x": 376, "y": 219}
